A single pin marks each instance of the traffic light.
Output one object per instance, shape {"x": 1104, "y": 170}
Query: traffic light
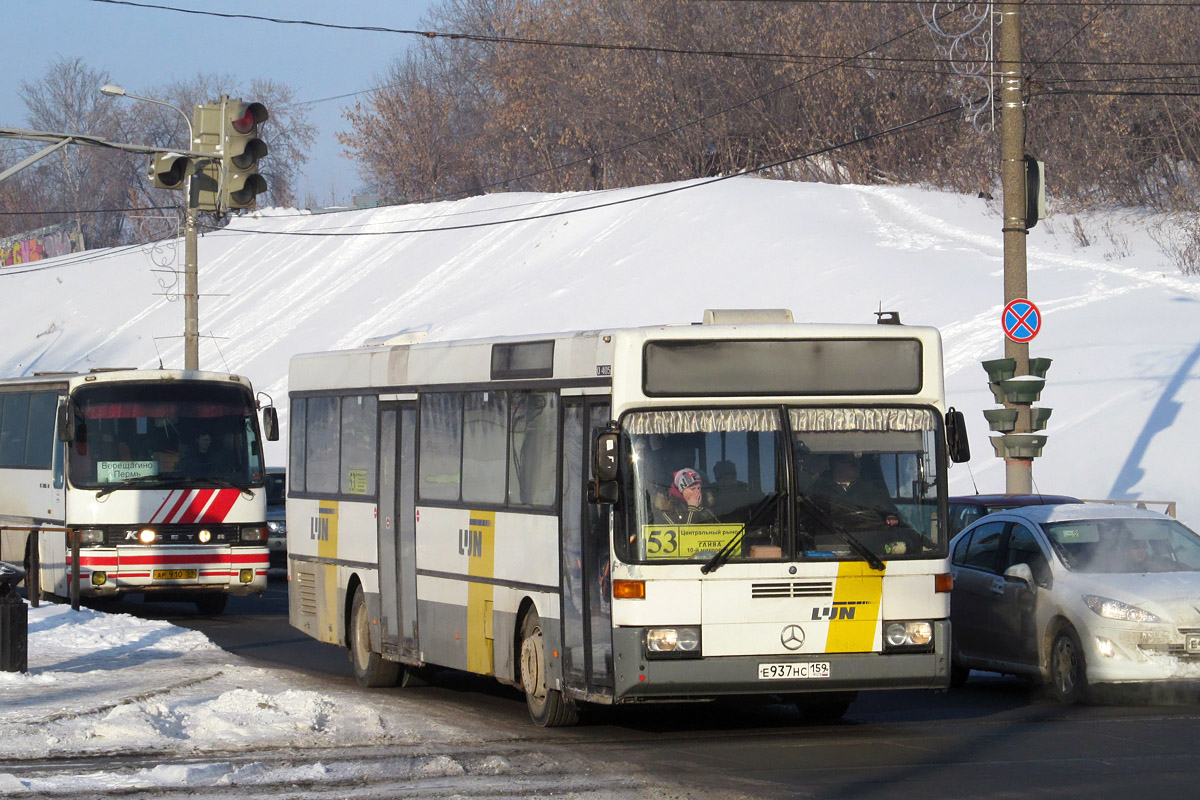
{"x": 241, "y": 150}
{"x": 169, "y": 170}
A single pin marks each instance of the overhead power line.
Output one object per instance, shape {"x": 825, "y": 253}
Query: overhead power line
{"x": 913, "y": 124}
{"x": 799, "y": 58}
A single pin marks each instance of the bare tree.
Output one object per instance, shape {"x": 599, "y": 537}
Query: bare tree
{"x": 88, "y": 182}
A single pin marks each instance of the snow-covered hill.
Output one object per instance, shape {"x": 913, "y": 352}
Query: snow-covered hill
{"x": 1121, "y": 323}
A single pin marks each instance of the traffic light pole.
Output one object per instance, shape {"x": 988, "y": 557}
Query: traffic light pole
{"x": 1018, "y": 471}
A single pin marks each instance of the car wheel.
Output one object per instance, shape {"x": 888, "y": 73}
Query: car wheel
{"x": 959, "y": 675}
{"x": 547, "y": 707}
{"x": 370, "y": 669}
{"x": 1068, "y": 670}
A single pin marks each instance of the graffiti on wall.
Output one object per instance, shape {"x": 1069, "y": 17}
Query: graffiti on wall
{"x": 48, "y": 242}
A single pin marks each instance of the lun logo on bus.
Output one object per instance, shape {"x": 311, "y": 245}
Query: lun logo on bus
{"x": 841, "y": 609}
{"x": 320, "y": 529}
{"x": 470, "y": 543}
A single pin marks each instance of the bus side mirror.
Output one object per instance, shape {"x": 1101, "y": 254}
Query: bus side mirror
{"x": 956, "y": 437}
{"x": 271, "y": 424}
{"x": 66, "y": 421}
{"x": 605, "y": 466}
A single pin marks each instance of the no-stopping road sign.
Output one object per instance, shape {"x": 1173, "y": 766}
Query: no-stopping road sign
{"x": 1021, "y": 320}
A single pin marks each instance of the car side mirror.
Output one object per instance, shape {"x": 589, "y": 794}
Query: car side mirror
{"x": 956, "y": 437}
{"x": 1021, "y": 573}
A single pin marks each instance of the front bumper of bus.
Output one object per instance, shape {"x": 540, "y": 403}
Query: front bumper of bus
{"x": 109, "y": 571}
{"x": 640, "y": 678}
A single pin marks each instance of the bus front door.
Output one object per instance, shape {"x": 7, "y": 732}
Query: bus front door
{"x": 586, "y": 592}
{"x": 397, "y": 528}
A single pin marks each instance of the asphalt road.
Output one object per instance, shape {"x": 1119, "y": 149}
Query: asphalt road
{"x": 996, "y": 737}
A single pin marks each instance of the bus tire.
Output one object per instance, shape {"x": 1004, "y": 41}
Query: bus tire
{"x": 212, "y": 605}
{"x": 547, "y": 707}
{"x": 824, "y": 708}
{"x": 371, "y": 670}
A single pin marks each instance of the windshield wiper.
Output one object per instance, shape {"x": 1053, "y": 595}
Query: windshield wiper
{"x": 167, "y": 481}
{"x": 129, "y": 483}
{"x": 873, "y": 561}
{"x": 722, "y": 555}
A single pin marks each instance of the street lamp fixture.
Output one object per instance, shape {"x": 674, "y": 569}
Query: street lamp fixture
{"x": 191, "y": 290}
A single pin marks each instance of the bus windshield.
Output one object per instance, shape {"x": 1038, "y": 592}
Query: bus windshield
{"x": 781, "y": 484}
{"x": 148, "y": 433}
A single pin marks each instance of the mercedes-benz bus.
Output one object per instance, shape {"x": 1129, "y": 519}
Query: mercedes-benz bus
{"x": 519, "y": 507}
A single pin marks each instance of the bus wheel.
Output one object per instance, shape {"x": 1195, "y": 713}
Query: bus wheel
{"x": 212, "y": 605}
{"x": 547, "y": 707}
{"x": 824, "y": 708}
{"x": 370, "y": 668}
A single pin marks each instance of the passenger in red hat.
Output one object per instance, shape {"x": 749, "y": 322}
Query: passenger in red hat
{"x": 687, "y": 506}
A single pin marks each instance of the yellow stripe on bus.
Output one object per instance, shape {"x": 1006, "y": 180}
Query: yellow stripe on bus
{"x": 856, "y": 605}
{"x": 481, "y": 563}
{"x": 325, "y": 531}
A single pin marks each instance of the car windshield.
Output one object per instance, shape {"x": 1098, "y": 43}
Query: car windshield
{"x": 139, "y": 435}
{"x": 762, "y": 484}
{"x": 1125, "y": 545}
{"x": 276, "y": 484}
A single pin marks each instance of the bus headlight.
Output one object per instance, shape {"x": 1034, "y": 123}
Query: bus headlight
{"x": 147, "y": 535}
{"x": 909, "y": 636}
{"x": 673, "y": 642}
{"x": 254, "y": 533}
{"x": 205, "y": 536}
{"x": 91, "y": 536}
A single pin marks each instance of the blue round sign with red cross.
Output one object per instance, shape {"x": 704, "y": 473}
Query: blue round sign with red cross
{"x": 1022, "y": 320}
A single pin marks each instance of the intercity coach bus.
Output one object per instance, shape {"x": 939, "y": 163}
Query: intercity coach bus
{"x": 620, "y": 516}
{"x": 158, "y": 473}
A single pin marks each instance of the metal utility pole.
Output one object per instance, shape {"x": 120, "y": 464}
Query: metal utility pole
{"x": 1018, "y": 471}
{"x": 191, "y": 281}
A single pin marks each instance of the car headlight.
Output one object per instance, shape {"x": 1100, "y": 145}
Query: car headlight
{"x": 276, "y": 527}
{"x": 673, "y": 642}
{"x": 910, "y": 635}
{"x": 1115, "y": 609}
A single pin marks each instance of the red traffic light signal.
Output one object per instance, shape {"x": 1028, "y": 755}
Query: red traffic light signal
{"x": 241, "y": 150}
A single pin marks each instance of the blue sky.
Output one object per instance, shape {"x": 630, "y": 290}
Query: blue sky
{"x": 144, "y": 47}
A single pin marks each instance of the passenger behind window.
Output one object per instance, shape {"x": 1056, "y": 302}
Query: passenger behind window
{"x": 687, "y": 501}
{"x": 732, "y": 499}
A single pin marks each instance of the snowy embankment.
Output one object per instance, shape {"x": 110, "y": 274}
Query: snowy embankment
{"x": 1120, "y": 321}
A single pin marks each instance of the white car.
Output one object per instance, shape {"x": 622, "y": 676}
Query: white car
{"x": 1077, "y": 595}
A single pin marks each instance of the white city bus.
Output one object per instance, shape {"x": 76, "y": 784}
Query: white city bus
{"x": 505, "y": 507}
{"x": 158, "y": 472}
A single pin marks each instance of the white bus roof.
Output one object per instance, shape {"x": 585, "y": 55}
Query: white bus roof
{"x": 581, "y": 357}
{"x": 58, "y": 380}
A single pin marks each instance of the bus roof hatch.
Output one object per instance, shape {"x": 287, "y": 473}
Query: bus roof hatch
{"x": 747, "y": 316}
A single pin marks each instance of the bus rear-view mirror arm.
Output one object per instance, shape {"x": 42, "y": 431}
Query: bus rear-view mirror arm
{"x": 66, "y": 421}
{"x": 270, "y": 418}
{"x": 605, "y": 465}
{"x": 956, "y": 437}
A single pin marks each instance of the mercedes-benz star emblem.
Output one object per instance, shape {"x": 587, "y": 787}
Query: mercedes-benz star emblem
{"x": 792, "y": 637}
